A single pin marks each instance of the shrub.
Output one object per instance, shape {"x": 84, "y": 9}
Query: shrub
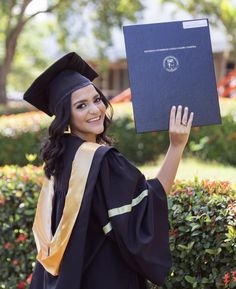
{"x": 202, "y": 231}
{"x": 215, "y": 142}
{"x": 202, "y": 235}
{"x": 20, "y": 135}
{"x": 139, "y": 148}
{"x": 19, "y": 189}
{"x": 15, "y": 107}
{"x": 23, "y": 133}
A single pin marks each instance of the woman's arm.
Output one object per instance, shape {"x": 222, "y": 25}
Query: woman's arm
{"x": 179, "y": 130}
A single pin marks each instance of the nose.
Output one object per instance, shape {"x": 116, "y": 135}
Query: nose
{"x": 93, "y": 109}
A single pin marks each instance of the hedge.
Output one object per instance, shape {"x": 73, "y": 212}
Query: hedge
{"x": 22, "y": 134}
{"x": 15, "y": 107}
{"x": 202, "y": 231}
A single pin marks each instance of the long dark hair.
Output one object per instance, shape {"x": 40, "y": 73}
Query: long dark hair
{"x": 53, "y": 147}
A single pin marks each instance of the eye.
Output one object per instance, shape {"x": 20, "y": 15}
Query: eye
{"x": 81, "y": 106}
{"x": 98, "y": 99}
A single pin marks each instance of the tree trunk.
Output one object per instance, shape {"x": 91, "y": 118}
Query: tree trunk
{"x": 4, "y": 70}
{"x": 3, "y": 81}
{"x": 10, "y": 49}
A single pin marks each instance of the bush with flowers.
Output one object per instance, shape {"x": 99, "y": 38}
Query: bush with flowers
{"x": 202, "y": 235}
{"x": 15, "y": 107}
{"x": 202, "y": 231}
{"x": 22, "y": 134}
{"x": 19, "y": 189}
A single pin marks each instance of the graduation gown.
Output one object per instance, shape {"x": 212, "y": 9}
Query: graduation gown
{"x": 120, "y": 237}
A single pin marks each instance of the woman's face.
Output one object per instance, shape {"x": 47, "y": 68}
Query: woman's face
{"x": 87, "y": 113}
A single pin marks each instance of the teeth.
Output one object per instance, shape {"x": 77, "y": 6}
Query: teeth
{"x": 94, "y": 119}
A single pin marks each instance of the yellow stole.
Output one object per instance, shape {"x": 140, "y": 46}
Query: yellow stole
{"x": 51, "y": 248}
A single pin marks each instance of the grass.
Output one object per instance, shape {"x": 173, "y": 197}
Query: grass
{"x": 190, "y": 168}
{"x": 227, "y": 106}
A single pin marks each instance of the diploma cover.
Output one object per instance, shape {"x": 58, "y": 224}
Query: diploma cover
{"x": 171, "y": 64}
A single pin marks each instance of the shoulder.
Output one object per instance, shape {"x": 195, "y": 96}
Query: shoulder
{"x": 116, "y": 161}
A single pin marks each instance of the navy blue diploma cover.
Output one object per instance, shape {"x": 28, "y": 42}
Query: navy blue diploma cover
{"x": 171, "y": 64}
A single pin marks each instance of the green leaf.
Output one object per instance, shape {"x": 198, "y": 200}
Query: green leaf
{"x": 231, "y": 231}
{"x": 190, "y": 279}
{"x": 204, "y": 280}
{"x": 182, "y": 247}
{"x": 213, "y": 251}
{"x": 189, "y": 218}
{"x": 207, "y": 219}
{"x": 190, "y": 245}
{"x": 196, "y": 226}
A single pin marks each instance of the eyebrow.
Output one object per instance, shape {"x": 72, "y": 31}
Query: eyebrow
{"x": 84, "y": 100}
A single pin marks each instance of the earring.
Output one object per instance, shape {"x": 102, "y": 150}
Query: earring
{"x": 68, "y": 130}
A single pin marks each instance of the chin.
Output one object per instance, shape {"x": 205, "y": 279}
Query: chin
{"x": 99, "y": 131}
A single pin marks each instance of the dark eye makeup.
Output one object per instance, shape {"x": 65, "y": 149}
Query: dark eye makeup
{"x": 97, "y": 99}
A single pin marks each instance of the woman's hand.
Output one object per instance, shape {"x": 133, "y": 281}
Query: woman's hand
{"x": 179, "y": 130}
{"x": 179, "y": 126}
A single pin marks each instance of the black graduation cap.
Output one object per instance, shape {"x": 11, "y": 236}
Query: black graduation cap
{"x": 66, "y": 75}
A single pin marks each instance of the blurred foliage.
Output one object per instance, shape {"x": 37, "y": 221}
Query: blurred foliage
{"x": 219, "y": 12}
{"x": 22, "y": 134}
{"x": 202, "y": 235}
{"x": 15, "y": 107}
{"x": 18, "y": 197}
{"x": 31, "y": 56}
{"x": 25, "y": 41}
{"x": 98, "y": 17}
{"x": 202, "y": 231}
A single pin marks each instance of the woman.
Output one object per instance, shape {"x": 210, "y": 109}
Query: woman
{"x": 99, "y": 223}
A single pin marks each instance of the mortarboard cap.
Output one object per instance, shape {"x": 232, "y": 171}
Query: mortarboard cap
{"x": 66, "y": 75}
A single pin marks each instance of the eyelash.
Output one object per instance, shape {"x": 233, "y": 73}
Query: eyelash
{"x": 97, "y": 100}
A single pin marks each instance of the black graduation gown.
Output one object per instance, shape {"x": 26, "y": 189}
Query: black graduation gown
{"x": 120, "y": 237}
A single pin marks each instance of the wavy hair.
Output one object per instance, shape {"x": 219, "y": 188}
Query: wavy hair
{"x": 53, "y": 147}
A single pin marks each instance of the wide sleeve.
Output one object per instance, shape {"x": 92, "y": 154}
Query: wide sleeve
{"x": 135, "y": 217}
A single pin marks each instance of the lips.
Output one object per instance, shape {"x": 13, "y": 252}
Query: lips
{"x": 94, "y": 119}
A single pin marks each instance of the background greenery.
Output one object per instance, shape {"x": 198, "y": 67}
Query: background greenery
{"x": 202, "y": 212}
{"x": 22, "y": 133}
{"x": 202, "y": 230}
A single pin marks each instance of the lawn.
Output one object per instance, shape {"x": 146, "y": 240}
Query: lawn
{"x": 227, "y": 106}
{"x": 190, "y": 168}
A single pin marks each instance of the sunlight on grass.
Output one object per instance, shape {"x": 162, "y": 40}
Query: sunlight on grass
{"x": 190, "y": 168}
{"x": 227, "y": 106}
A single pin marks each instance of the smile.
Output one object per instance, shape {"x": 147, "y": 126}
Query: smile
{"x": 94, "y": 119}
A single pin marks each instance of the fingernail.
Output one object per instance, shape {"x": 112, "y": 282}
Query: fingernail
{"x": 180, "y": 106}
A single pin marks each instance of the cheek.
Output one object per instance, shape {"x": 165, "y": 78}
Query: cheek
{"x": 77, "y": 117}
{"x": 102, "y": 107}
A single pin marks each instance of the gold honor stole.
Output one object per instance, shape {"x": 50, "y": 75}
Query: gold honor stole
{"x": 51, "y": 248}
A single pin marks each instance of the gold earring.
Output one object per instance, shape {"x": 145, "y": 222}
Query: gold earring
{"x": 68, "y": 130}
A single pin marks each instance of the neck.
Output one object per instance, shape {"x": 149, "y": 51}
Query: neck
{"x": 91, "y": 138}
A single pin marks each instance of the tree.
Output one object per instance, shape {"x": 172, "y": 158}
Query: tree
{"x": 106, "y": 15}
{"x": 219, "y": 12}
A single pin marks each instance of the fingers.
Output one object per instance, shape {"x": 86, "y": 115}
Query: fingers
{"x": 179, "y": 119}
{"x": 190, "y": 120}
{"x": 178, "y": 115}
{"x": 185, "y": 117}
{"x": 172, "y": 116}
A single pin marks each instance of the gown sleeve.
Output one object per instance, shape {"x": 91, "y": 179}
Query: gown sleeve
{"x": 135, "y": 217}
